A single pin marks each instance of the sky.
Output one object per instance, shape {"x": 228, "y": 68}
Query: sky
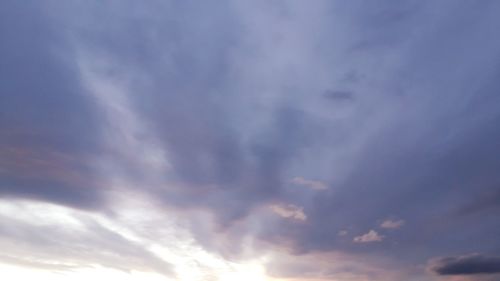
{"x": 263, "y": 140}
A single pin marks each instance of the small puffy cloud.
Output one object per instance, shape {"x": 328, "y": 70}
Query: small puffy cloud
{"x": 371, "y": 236}
{"x": 312, "y": 184}
{"x": 289, "y": 211}
{"x": 466, "y": 265}
{"x": 392, "y": 224}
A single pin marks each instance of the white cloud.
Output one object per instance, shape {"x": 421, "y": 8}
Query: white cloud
{"x": 392, "y": 224}
{"x": 371, "y": 236}
{"x": 46, "y": 236}
{"x": 289, "y": 211}
{"x": 312, "y": 184}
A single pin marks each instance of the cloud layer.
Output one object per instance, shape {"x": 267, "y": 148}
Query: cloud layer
{"x": 278, "y": 131}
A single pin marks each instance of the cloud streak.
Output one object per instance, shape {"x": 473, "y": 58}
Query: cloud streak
{"x": 312, "y": 184}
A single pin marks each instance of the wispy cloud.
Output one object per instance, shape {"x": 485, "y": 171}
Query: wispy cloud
{"x": 312, "y": 184}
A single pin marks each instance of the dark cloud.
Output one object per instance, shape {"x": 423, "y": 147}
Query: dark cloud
{"x": 48, "y": 127}
{"x": 488, "y": 201}
{"x": 466, "y": 265}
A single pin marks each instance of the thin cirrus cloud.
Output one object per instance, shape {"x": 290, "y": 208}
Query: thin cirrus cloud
{"x": 229, "y": 121}
{"x": 312, "y": 184}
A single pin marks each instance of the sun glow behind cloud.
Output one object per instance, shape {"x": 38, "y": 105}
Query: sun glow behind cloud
{"x": 189, "y": 262}
{"x": 237, "y": 272}
{"x": 10, "y": 272}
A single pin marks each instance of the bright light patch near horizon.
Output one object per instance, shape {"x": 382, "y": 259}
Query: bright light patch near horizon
{"x": 189, "y": 261}
{"x": 240, "y": 273}
{"x": 18, "y": 273}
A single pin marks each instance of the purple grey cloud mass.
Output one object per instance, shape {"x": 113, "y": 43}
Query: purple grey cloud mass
{"x": 282, "y": 123}
{"x": 467, "y": 265}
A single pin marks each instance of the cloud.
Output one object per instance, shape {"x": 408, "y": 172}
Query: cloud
{"x": 312, "y": 184}
{"x": 400, "y": 165}
{"x": 486, "y": 201}
{"x": 370, "y": 236}
{"x": 49, "y": 128}
{"x": 51, "y": 237}
{"x": 392, "y": 224}
{"x": 212, "y": 111}
{"x": 289, "y": 211}
{"x": 332, "y": 266}
{"x": 249, "y": 124}
{"x": 466, "y": 265}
